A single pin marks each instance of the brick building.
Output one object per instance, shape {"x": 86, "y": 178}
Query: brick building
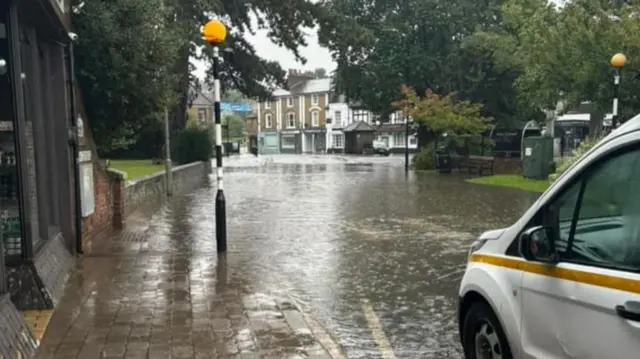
{"x": 295, "y": 121}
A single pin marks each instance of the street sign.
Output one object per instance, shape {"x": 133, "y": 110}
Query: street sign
{"x": 234, "y": 107}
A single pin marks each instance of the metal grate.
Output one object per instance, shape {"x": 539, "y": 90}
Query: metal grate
{"x": 132, "y": 236}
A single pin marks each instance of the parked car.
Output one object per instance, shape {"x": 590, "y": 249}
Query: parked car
{"x": 380, "y": 148}
{"x": 564, "y": 280}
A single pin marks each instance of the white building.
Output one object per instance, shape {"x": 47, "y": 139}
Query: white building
{"x": 393, "y": 134}
{"x": 342, "y": 114}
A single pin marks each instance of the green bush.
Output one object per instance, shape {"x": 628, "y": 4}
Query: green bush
{"x": 425, "y": 159}
{"x": 564, "y": 163}
{"x": 192, "y": 145}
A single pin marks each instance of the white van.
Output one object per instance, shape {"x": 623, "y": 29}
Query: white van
{"x": 564, "y": 280}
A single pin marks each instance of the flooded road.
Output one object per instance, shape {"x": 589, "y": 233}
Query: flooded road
{"x": 373, "y": 253}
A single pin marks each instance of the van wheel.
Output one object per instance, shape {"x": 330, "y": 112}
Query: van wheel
{"x": 483, "y": 336}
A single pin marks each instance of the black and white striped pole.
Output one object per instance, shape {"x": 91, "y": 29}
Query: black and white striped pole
{"x": 617, "y": 61}
{"x": 214, "y": 32}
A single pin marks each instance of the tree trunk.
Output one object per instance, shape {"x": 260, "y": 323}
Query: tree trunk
{"x": 178, "y": 112}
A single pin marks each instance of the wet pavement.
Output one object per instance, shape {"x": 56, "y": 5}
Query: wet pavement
{"x": 369, "y": 253}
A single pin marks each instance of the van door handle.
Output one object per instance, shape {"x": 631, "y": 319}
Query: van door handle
{"x": 629, "y": 311}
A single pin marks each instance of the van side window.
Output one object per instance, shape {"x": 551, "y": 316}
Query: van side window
{"x": 607, "y": 225}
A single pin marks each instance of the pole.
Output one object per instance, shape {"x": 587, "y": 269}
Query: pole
{"x": 75, "y": 147}
{"x": 221, "y": 211}
{"x": 616, "y": 86}
{"x": 406, "y": 143}
{"x": 167, "y": 160}
{"x": 406, "y": 117}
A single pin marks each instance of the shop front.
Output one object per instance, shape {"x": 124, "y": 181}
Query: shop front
{"x": 36, "y": 173}
{"x": 290, "y": 141}
{"x": 315, "y": 140}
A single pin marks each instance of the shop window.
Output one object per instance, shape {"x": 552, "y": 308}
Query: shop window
{"x": 10, "y": 221}
{"x": 289, "y": 141}
{"x": 43, "y": 151}
{"x": 28, "y": 159}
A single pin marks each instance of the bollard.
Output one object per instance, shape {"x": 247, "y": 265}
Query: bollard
{"x": 214, "y": 33}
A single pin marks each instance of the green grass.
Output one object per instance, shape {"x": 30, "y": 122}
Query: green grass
{"x": 513, "y": 181}
{"x": 136, "y": 169}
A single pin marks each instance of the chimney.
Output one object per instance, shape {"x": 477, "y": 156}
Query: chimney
{"x": 296, "y": 78}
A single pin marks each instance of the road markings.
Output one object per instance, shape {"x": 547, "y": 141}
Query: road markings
{"x": 379, "y": 336}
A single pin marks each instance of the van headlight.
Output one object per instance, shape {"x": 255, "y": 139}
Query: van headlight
{"x": 475, "y": 246}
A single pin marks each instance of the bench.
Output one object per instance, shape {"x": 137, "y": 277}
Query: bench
{"x": 479, "y": 165}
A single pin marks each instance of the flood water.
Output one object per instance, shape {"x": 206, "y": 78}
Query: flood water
{"x": 346, "y": 235}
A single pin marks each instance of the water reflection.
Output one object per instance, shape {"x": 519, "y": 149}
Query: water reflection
{"x": 331, "y": 234}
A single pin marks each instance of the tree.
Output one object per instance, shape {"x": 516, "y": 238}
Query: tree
{"x": 123, "y": 59}
{"x": 236, "y": 126}
{"x": 423, "y": 44}
{"x": 564, "y": 52}
{"x": 440, "y": 115}
{"x": 133, "y": 57}
{"x": 242, "y": 68}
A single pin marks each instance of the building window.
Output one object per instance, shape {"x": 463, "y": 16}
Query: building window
{"x": 398, "y": 139}
{"x": 338, "y": 118}
{"x": 413, "y": 140}
{"x": 289, "y": 141}
{"x": 315, "y": 119}
{"x": 289, "y": 101}
{"x": 267, "y": 121}
{"x": 315, "y": 99}
{"x": 360, "y": 115}
{"x": 267, "y": 105}
{"x": 202, "y": 115}
{"x": 337, "y": 140}
{"x": 291, "y": 120}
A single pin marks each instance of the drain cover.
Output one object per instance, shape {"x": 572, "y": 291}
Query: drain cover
{"x": 132, "y": 236}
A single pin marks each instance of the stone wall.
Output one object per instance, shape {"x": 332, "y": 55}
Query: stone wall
{"x": 151, "y": 190}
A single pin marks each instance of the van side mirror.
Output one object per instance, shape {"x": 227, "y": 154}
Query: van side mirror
{"x": 538, "y": 244}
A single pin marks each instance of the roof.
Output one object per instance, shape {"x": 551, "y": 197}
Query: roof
{"x": 306, "y": 87}
{"x": 359, "y": 126}
{"x": 202, "y": 99}
{"x": 315, "y": 85}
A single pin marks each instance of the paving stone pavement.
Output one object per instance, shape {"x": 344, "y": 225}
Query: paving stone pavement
{"x": 127, "y": 302}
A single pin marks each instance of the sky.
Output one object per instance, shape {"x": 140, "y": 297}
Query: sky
{"x": 316, "y": 55}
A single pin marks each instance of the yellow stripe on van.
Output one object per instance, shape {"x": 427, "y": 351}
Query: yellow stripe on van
{"x": 600, "y": 280}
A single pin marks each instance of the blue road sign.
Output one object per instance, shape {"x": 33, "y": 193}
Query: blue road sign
{"x": 235, "y": 107}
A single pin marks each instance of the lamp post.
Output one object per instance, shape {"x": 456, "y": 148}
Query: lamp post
{"x": 617, "y": 61}
{"x": 406, "y": 143}
{"x": 214, "y": 32}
